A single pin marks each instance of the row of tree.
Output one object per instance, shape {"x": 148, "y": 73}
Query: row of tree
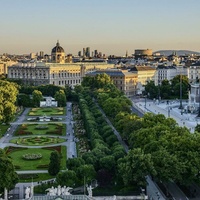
{"x": 159, "y": 147}
{"x": 168, "y": 89}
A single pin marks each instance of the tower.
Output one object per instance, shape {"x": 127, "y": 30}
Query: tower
{"x": 58, "y": 54}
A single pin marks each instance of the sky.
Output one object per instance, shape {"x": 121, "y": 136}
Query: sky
{"x": 110, "y": 26}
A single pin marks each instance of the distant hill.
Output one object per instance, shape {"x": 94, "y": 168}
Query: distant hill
{"x": 179, "y": 52}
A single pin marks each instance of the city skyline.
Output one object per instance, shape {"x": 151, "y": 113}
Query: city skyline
{"x": 111, "y": 26}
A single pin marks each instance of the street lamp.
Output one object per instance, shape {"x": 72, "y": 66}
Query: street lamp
{"x": 169, "y": 111}
{"x": 199, "y": 102}
{"x": 145, "y": 105}
{"x": 159, "y": 93}
{"x": 181, "y": 105}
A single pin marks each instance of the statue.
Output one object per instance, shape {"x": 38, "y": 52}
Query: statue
{"x": 55, "y": 191}
{"x": 89, "y": 189}
{"x": 59, "y": 190}
{"x": 50, "y": 191}
{"x": 66, "y": 190}
{"x": 27, "y": 193}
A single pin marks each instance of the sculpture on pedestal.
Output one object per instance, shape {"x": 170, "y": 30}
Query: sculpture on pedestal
{"x": 58, "y": 191}
{"x": 89, "y": 189}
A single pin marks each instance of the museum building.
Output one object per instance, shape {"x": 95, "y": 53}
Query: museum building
{"x": 57, "y": 71}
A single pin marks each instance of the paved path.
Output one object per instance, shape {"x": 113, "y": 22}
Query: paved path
{"x": 172, "y": 110}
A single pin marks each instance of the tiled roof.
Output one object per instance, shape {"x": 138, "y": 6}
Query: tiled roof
{"x": 109, "y": 72}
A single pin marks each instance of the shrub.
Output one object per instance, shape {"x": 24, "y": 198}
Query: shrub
{"x": 17, "y": 167}
{"x": 42, "y": 166}
{"x": 28, "y": 176}
{"x": 40, "y": 127}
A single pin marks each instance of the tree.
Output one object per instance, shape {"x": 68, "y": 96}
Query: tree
{"x": 165, "y": 89}
{"x": 151, "y": 89}
{"x": 9, "y": 177}
{"x": 61, "y": 98}
{"x": 8, "y": 96}
{"x": 73, "y": 163}
{"x": 86, "y": 172}
{"x": 37, "y": 97}
{"x": 135, "y": 167}
{"x": 54, "y": 165}
{"x": 24, "y": 100}
{"x": 175, "y": 85}
{"x": 66, "y": 178}
{"x": 108, "y": 162}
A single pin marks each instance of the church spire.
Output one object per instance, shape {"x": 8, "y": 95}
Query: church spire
{"x": 57, "y": 44}
{"x": 126, "y": 53}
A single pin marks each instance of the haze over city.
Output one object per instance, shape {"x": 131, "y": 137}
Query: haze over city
{"x": 111, "y": 26}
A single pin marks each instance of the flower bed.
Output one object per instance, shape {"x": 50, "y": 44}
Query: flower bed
{"x": 56, "y": 148}
{"x": 40, "y": 127}
{"x": 11, "y": 149}
{"x": 43, "y": 166}
{"x": 32, "y": 156}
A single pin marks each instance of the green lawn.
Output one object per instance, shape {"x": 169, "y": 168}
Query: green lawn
{"x": 47, "y": 111}
{"x": 42, "y": 129}
{"x": 22, "y": 164}
{"x": 37, "y": 141}
{"x": 3, "y": 129}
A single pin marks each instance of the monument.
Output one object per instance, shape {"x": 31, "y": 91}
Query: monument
{"x": 59, "y": 191}
{"x": 50, "y": 102}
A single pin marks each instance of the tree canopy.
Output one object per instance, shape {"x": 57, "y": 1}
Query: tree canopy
{"x": 8, "y": 95}
{"x": 9, "y": 177}
{"x": 54, "y": 165}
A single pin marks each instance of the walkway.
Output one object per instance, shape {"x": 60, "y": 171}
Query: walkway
{"x": 169, "y": 110}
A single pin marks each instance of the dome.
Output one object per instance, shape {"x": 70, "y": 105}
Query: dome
{"x": 57, "y": 49}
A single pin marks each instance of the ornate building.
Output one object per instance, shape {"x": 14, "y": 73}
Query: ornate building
{"x": 56, "y": 72}
{"x": 58, "y": 54}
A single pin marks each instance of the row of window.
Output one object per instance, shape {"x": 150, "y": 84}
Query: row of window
{"x": 67, "y": 75}
{"x": 69, "y": 82}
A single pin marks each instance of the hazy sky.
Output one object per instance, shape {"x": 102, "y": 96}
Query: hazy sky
{"x": 111, "y": 26}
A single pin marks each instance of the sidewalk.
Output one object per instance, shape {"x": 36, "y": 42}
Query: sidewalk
{"x": 172, "y": 110}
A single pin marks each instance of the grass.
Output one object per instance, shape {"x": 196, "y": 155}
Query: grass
{"x": 64, "y": 157}
{"x": 51, "y": 128}
{"x": 47, "y": 111}
{"x": 37, "y": 141}
{"x": 3, "y": 129}
{"x": 22, "y": 164}
{"x": 17, "y": 159}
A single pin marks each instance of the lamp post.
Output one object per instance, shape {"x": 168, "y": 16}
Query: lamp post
{"x": 145, "y": 102}
{"x": 159, "y": 93}
{"x": 199, "y": 102}
{"x": 181, "y": 105}
{"x": 168, "y": 111}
